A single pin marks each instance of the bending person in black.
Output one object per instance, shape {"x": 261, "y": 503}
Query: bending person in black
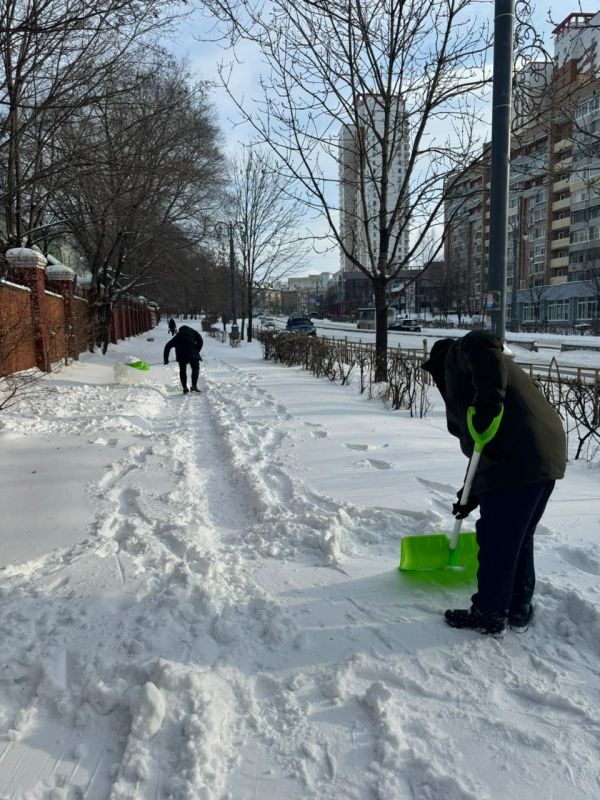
{"x": 515, "y": 477}
{"x": 188, "y": 344}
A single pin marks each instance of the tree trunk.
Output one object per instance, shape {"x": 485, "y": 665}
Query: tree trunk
{"x": 250, "y": 299}
{"x": 381, "y": 333}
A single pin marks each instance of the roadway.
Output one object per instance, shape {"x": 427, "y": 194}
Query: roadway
{"x": 571, "y": 363}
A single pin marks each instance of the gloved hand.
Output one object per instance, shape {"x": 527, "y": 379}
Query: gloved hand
{"x": 459, "y": 511}
{"x": 484, "y": 416}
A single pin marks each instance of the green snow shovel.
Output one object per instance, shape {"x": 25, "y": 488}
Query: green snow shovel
{"x": 141, "y": 365}
{"x": 457, "y": 550}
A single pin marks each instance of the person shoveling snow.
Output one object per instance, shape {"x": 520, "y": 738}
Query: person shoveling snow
{"x": 188, "y": 344}
{"x": 515, "y": 477}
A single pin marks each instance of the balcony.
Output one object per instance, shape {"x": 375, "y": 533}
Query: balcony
{"x": 560, "y": 244}
{"x": 556, "y": 263}
{"x": 563, "y": 164}
{"x": 576, "y": 186}
{"x": 560, "y": 205}
{"x": 563, "y": 144}
{"x": 561, "y": 186}
{"x": 558, "y": 279}
{"x": 560, "y": 224}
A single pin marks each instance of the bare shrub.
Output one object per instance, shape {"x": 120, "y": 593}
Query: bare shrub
{"x": 333, "y": 359}
{"x": 15, "y": 383}
{"x": 582, "y": 403}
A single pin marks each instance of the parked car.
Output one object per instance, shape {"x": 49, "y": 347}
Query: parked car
{"x": 268, "y": 322}
{"x": 405, "y": 325}
{"x": 301, "y": 325}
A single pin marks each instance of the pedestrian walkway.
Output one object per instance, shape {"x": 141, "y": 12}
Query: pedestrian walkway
{"x": 218, "y": 614}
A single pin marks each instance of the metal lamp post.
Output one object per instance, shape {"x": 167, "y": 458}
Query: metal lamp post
{"x": 501, "y": 101}
{"x": 514, "y": 229}
{"x": 231, "y": 226}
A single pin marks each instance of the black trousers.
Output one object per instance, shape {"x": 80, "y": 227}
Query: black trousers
{"x": 506, "y": 574}
{"x": 195, "y": 365}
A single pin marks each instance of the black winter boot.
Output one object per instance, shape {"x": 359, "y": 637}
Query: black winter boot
{"x": 475, "y": 620}
{"x": 519, "y": 619}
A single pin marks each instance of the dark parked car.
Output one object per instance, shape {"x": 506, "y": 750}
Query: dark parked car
{"x": 405, "y": 325}
{"x": 301, "y": 325}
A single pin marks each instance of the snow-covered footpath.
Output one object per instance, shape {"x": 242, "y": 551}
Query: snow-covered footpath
{"x": 200, "y": 599}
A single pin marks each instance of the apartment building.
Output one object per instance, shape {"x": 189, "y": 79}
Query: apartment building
{"x": 554, "y": 195}
{"x": 310, "y": 283}
{"x": 311, "y": 291}
{"x": 466, "y": 219}
{"x": 360, "y": 172}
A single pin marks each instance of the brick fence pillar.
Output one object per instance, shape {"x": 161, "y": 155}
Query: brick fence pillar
{"x": 27, "y": 267}
{"x": 61, "y": 279}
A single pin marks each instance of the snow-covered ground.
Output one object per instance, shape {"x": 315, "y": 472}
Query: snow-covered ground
{"x": 200, "y": 599}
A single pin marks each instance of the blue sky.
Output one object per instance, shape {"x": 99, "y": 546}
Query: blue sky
{"x": 191, "y": 41}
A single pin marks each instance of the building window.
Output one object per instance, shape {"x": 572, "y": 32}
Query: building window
{"x": 587, "y": 308}
{"x": 558, "y": 311}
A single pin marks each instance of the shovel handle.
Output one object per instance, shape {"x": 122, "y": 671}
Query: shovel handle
{"x": 473, "y": 464}
{"x": 481, "y": 439}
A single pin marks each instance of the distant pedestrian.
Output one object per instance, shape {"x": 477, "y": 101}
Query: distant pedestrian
{"x": 515, "y": 477}
{"x": 188, "y": 344}
{"x": 172, "y": 327}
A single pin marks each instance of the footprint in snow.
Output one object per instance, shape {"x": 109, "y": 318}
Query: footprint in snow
{"x": 319, "y": 434}
{"x": 351, "y": 446}
{"x": 445, "y": 488}
{"x": 376, "y": 463}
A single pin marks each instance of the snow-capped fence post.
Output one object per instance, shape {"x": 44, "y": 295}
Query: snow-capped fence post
{"x": 27, "y": 267}
{"x": 61, "y": 280}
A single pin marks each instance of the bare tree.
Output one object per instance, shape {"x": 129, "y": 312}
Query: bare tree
{"x": 268, "y": 240}
{"x": 187, "y": 278}
{"x": 142, "y": 166}
{"x": 56, "y": 57}
{"x": 537, "y": 295}
{"x": 387, "y": 93}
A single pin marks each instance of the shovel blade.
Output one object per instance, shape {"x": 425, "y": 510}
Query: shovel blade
{"x": 141, "y": 365}
{"x": 432, "y": 551}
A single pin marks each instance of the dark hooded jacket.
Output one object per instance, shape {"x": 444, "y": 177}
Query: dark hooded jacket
{"x": 187, "y": 343}
{"x": 530, "y": 444}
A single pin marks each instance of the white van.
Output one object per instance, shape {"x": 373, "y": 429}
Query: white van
{"x": 366, "y": 318}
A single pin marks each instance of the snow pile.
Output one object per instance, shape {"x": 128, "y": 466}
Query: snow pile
{"x": 125, "y": 373}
